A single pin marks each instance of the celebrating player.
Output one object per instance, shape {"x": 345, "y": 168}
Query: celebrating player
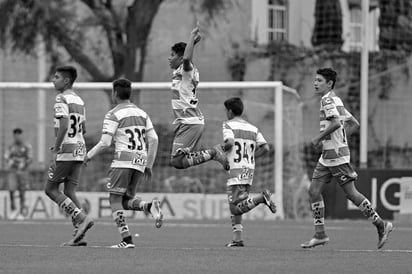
{"x": 18, "y": 156}
{"x": 68, "y": 152}
{"x": 242, "y": 143}
{"x": 136, "y": 144}
{"x": 334, "y": 163}
{"x": 189, "y": 120}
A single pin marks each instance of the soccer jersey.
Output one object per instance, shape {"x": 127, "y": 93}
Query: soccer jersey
{"x": 241, "y": 157}
{"x": 335, "y": 147}
{"x": 69, "y": 105}
{"x": 184, "y": 100}
{"x": 18, "y": 155}
{"x": 128, "y": 125}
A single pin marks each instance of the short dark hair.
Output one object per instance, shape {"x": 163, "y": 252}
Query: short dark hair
{"x": 68, "y": 71}
{"x": 329, "y": 75}
{"x": 17, "y": 131}
{"x": 123, "y": 87}
{"x": 234, "y": 104}
{"x": 179, "y": 48}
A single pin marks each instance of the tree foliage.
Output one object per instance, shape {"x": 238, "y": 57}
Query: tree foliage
{"x": 107, "y": 38}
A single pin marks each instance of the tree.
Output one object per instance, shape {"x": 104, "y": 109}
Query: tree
{"x": 92, "y": 32}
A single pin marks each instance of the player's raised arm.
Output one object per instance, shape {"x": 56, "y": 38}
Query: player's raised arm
{"x": 188, "y": 54}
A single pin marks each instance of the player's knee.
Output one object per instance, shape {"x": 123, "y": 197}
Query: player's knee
{"x": 314, "y": 193}
{"x": 50, "y": 190}
{"x": 234, "y": 210}
{"x": 68, "y": 192}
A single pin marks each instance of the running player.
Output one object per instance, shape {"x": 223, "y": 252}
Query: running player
{"x": 18, "y": 156}
{"x": 334, "y": 163}
{"x": 68, "y": 152}
{"x": 136, "y": 144}
{"x": 189, "y": 120}
{"x": 242, "y": 143}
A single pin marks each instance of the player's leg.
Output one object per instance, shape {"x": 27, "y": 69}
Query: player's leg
{"x": 346, "y": 179}
{"x": 236, "y": 194}
{"x": 22, "y": 187}
{"x": 185, "y": 144}
{"x": 57, "y": 175}
{"x": 132, "y": 202}
{"x": 12, "y": 186}
{"x": 119, "y": 182}
{"x": 321, "y": 176}
{"x": 70, "y": 185}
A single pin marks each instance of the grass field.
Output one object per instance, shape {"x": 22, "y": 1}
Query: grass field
{"x": 198, "y": 247}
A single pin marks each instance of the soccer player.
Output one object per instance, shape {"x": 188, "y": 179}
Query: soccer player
{"x": 334, "y": 163}
{"x": 189, "y": 120}
{"x": 68, "y": 152}
{"x": 242, "y": 143}
{"x": 18, "y": 156}
{"x": 135, "y": 142}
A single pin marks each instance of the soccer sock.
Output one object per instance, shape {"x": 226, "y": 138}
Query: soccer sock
{"x": 367, "y": 210}
{"x": 318, "y": 212}
{"x": 120, "y": 221}
{"x": 134, "y": 204}
{"x": 246, "y": 205}
{"x": 22, "y": 197}
{"x": 12, "y": 203}
{"x": 196, "y": 158}
{"x": 237, "y": 227}
{"x": 70, "y": 208}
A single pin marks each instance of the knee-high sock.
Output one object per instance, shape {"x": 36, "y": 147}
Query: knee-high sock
{"x": 318, "y": 213}
{"x": 246, "y": 205}
{"x": 136, "y": 204}
{"x": 118, "y": 217}
{"x": 368, "y": 211}
{"x": 237, "y": 227}
{"x": 70, "y": 208}
{"x": 196, "y": 158}
{"x": 12, "y": 203}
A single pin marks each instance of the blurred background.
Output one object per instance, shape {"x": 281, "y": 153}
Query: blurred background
{"x": 256, "y": 40}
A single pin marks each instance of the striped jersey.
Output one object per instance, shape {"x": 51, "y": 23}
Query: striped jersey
{"x": 335, "y": 147}
{"x": 18, "y": 155}
{"x": 184, "y": 100}
{"x": 128, "y": 124}
{"x": 242, "y": 155}
{"x": 69, "y": 105}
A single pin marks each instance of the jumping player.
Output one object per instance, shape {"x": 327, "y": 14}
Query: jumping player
{"x": 189, "y": 120}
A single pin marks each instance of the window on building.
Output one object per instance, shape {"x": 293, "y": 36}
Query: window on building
{"x": 277, "y": 20}
{"x": 355, "y": 26}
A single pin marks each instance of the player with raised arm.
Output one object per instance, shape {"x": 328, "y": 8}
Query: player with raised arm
{"x": 68, "y": 152}
{"x": 334, "y": 163}
{"x": 189, "y": 120}
{"x": 242, "y": 143}
{"x": 135, "y": 142}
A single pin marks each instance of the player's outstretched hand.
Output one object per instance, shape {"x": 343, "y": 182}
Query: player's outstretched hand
{"x": 148, "y": 175}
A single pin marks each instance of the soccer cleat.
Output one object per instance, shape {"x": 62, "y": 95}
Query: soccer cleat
{"x": 71, "y": 243}
{"x": 81, "y": 231}
{"x": 315, "y": 242}
{"x": 220, "y": 156}
{"x": 235, "y": 244}
{"x": 123, "y": 245}
{"x": 270, "y": 204}
{"x": 158, "y": 214}
{"x": 383, "y": 233}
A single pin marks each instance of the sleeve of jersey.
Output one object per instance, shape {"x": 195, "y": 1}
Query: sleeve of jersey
{"x": 110, "y": 124}
{"x": 329, "y": 108}
{"x": 61, "y": 108}
{"x": 227, "y": 132}
{"x": 260, "y": 140}
{"x": 149, "y": 124}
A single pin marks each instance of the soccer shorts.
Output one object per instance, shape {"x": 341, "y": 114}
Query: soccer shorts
{"x": 187, "y": 135}
{"x": 237, "y": 193}
{"x": 123, "y": 181}
{"x": 65, "y": 171}
{"x": 17, "y": 180}
{"x": 342, "y": 173}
